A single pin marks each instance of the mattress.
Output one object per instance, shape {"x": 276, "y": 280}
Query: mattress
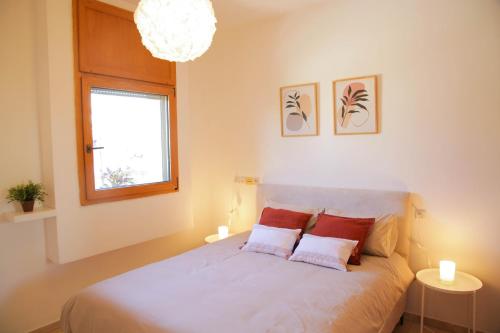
{"x": 219, "y": 288}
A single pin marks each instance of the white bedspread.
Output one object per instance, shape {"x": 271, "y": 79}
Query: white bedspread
{"x": 219, "y": 288}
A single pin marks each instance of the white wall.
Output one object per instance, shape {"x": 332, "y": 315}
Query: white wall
{"x": 38, "y": 96}
{"x": 439, "y": 67}
{"x": 440, "y": 72}
{"x": 19, "y": 141}
{"x": 37, "y": 140}
{"x": 85, "y": 231}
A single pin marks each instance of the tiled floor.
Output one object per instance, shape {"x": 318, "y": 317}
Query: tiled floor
{"x": 413, "y": 327}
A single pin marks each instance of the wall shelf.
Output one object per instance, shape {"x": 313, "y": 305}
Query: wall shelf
{"x": 37, "y": 214}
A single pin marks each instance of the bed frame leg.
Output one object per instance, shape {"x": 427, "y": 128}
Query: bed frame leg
{"x": 402, "y": 320}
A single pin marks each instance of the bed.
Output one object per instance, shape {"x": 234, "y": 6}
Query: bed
{"x": 219, "y": 288}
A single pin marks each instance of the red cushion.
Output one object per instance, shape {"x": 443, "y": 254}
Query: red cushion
{"x": 346, "y": 228}
{"x": 282, "y": 218}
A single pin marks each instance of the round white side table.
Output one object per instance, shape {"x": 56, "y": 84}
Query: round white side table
{"x": 214, "y": 238}
{"x": 464, "y": 284}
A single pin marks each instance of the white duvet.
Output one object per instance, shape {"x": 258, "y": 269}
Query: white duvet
{"x": 219, "y": 288}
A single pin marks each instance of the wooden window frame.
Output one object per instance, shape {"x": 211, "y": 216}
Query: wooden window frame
{"x": 84, "y": 82}
{"x": 141, "y": 66}
{"x": 90, "y": 81}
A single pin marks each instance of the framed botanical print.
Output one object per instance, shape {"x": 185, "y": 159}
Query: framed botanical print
{"x": 355, "y": 105}
{"x": 299, "y": 110}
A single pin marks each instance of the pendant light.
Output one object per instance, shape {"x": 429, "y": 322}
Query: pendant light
{"x": 176, "y": 30}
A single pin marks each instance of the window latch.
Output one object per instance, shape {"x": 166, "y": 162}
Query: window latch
{"x": 90, "y": 148}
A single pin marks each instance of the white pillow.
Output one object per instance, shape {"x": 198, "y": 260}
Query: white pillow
{"x": 324, "y": 251}
{"x": 277, "y": 241}
{"x": 297, "y": 208}
{"x": 382, "y": 237}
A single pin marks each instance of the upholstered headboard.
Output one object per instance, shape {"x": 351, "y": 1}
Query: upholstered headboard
{"x": 349, "y": 201}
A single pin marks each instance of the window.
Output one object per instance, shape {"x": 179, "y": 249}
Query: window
{"x": 126, "y": 109}
{"x": 129, "y": 138}
{"x": 121, "y": 159}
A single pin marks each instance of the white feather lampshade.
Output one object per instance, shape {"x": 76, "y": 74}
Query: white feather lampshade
{"x": 176, "y": 30}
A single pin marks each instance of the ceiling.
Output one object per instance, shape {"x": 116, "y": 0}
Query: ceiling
{"x": 231, "y": 13}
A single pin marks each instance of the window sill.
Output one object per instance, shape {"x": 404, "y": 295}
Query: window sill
{"x": 36, "y": 215}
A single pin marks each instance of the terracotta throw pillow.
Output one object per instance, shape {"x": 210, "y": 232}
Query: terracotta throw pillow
{"x": 282, "y": 218}
{"x": 346, "y": 228}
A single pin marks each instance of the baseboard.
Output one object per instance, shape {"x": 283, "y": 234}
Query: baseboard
{"x": 440, "y": 325}
{"x": 48, "y": 328}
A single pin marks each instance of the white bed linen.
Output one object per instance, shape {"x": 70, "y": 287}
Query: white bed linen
{"x": 219, "y": 288}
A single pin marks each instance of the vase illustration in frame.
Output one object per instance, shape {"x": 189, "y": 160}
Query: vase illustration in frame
{"x": 355, "y": 105}
{"x": 299, "y": 110}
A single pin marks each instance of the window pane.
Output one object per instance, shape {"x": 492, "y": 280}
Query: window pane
{"x": 130, "y": 134}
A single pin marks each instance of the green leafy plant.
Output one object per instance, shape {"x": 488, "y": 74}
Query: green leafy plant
{"x": 26, "y": 192}
{"x": 117, "y": 177}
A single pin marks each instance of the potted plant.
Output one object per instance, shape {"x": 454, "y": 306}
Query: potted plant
{"x": 27, "y": 194}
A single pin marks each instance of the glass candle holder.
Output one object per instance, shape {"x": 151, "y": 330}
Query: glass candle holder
{"x": 223, "y": 231}
{"x": 447, "y": 271}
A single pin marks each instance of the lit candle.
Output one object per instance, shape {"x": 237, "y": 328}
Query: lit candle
{"x": 223, "y": 231}
{"x": 447, "y": 271}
